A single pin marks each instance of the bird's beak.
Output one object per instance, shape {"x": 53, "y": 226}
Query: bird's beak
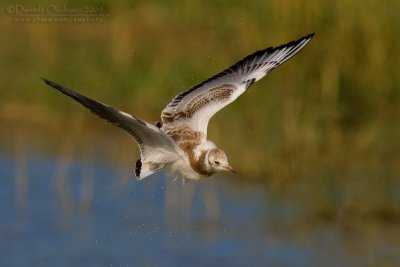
{"x": 229, "y": 168}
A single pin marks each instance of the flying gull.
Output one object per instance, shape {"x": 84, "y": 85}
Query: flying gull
{"x": 180, "y": 142}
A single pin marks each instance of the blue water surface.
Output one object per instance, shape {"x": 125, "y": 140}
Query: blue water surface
{"x": 87, "y": 215}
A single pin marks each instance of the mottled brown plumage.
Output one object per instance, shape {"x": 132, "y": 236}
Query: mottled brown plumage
{"x": 215, "y": 95}
{"x": 188, "y": 140}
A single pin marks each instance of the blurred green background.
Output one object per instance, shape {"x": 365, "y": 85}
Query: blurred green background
{"x": 323, "y": 127}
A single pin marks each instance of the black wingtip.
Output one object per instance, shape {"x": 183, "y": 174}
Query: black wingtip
{"x": 311, "y": 35}
{"x": 307, "y": 38}
{"x": 138, "y": 168}
{"x": 45, "y": 80}
{"x": 52, "y": 84}
{"x": 78, "y": 97}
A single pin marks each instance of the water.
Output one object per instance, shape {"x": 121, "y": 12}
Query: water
{"x": 59, "y": 213}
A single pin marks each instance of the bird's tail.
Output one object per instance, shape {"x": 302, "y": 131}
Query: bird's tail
{"x": 144, "y": 169}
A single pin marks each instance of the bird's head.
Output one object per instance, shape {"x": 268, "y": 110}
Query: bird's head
{"x": 218, "y": 161}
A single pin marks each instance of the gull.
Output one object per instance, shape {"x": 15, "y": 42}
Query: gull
{"x": 179, "y": 142}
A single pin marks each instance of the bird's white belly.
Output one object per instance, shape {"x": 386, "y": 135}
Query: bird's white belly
{"x": 182, "y": 168}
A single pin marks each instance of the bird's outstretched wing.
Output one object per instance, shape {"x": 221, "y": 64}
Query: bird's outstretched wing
{"x": 154, "y": 144}
{"x": 197, "y": 105}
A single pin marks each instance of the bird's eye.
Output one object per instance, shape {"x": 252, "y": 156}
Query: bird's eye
{"x": 216, "y": 162}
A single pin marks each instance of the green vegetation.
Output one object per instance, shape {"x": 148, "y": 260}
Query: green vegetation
{"x": 324, "y": 124}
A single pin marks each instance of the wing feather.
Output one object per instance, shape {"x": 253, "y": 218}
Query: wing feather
{"x": 149, "y": 137}
{"x": 195, "y": 107}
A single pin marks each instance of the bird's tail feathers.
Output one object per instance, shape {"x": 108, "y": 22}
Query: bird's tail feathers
{"x": 144, "y": 169}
